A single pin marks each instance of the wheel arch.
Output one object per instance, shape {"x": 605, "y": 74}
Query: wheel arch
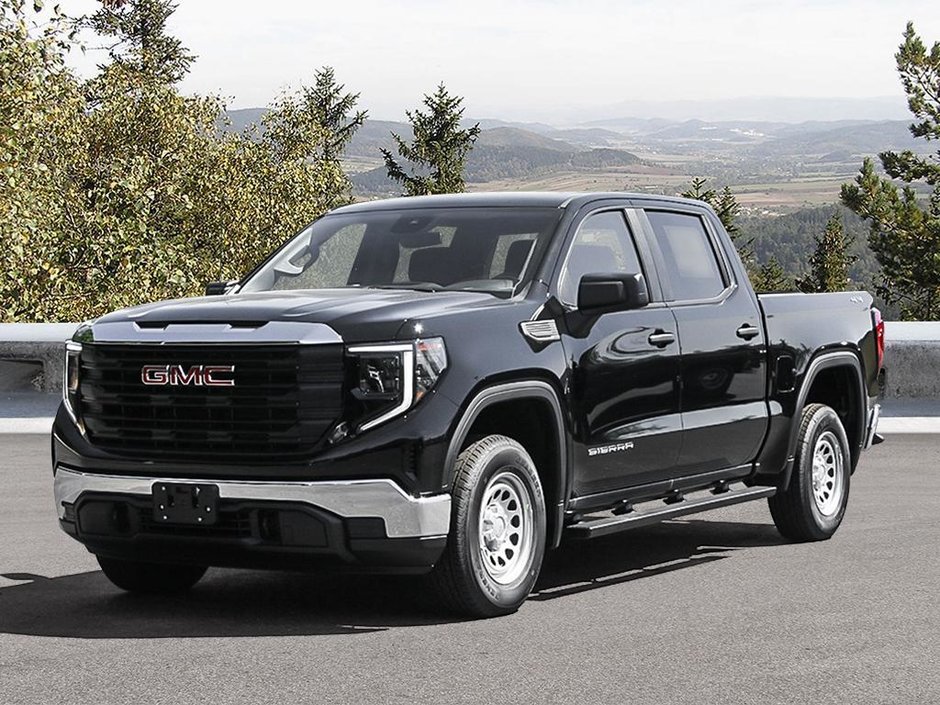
{"x": 487, "y": 413}
{"x": 824, "y": 382}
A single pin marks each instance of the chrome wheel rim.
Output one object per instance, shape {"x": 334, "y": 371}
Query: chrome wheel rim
{"x": 828, "y": 474}
{"x": 505, "y": 528}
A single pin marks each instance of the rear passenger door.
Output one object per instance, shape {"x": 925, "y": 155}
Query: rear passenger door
{"x": 722, "y": 346}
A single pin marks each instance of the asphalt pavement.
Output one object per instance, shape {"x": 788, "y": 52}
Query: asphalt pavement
{"x": 716, "y": 608}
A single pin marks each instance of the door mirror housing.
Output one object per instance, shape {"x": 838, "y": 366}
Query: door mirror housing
{"x": 219, "y": 288}
{"x": 612, "y": 292}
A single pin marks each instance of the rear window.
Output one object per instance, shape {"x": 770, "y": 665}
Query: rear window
{"x": 692, "y": 267}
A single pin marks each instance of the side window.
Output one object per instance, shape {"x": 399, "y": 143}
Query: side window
{"x": 691, "y": 263}
{"x": 602, "y": 245}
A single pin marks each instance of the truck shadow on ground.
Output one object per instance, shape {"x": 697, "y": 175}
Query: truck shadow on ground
{"x": 256, "y": 603}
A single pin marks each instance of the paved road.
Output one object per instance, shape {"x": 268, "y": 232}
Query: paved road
{"x": 714, "y": 609}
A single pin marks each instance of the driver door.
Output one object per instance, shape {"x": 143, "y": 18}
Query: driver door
{"x": 624, "y": 368}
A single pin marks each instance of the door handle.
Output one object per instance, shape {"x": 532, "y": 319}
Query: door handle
{"x": 661, "y": 339}
{"x": 747, "y": 331}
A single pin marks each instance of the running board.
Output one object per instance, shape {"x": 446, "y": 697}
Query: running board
{"x": 590, "y": 528}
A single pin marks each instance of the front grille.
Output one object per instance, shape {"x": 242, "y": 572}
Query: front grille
{"x": 284, "y": 400}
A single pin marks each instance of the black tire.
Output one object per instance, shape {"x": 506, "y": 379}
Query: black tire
{"x": 152, "y": 578}
{"x": 804, "y": 511}
{"x": 466, "y": 577}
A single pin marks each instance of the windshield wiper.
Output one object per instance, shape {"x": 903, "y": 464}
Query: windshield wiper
{"x": 409, "y": 287}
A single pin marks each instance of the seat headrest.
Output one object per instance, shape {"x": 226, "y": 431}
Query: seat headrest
{"x": 435, "y": 265}
{"x": 516, "y": 258}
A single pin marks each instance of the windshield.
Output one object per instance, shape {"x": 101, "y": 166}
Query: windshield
{"x": 428, "y": 249}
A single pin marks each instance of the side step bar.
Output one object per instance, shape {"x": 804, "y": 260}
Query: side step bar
{"x": 592, "y": 527}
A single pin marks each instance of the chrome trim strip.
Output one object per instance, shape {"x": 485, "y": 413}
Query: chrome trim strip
{"x": 873, "y": 416}
{"x": 70, "y": 347}
{"x": 284, "y": 332}
{"x": 405, "y": 516}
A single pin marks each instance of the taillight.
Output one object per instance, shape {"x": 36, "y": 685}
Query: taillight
{"x": 879, "y": 326}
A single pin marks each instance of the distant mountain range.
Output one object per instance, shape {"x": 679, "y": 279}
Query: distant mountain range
{"x": 759, "y": 108}
{"x": 507, "y": 151}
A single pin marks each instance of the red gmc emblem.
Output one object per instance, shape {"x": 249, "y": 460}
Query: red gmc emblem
{"x": 197, "y": 375}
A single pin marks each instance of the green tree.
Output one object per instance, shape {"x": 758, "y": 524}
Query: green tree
{"x": 770, "y": 278}
{"x": 137, "y": 41}
{"x": 127, "y": 193}
{"x": 830, "y": 262}
{"x": 334, "y": 111}
{"x": 316, "y": 123}
{"x": 439, "y": 149}
{"x": 728, "y": 210}
{"x": 904, "y": 230}
{"x": 41, "y": 109}
{"x": 723, "y": 202}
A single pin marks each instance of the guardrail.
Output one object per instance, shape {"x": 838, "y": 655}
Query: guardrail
{"x": 912, "y": 356}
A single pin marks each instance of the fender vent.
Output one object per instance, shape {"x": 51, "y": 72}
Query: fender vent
{"x": 540, "y": 331}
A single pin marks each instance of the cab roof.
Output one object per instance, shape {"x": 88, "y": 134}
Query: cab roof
{"x": 506, "y": 199}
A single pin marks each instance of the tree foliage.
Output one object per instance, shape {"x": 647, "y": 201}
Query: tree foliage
{"x": 439, "y": 150}
{"x": 830, "y": 262}
{"x": 723, "y": 202}
{"x": 121, "y": 190}
{"x": 770, "y": 278}
{"x": 138, "y": 44}
{"x": 905, "y": 229}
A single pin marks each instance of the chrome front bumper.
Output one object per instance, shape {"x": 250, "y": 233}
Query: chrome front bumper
{"x": 405, "y": 516}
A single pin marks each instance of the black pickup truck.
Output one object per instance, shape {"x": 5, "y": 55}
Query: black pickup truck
{"x": 453, "y": 385}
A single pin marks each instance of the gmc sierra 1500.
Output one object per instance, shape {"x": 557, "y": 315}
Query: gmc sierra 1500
{"x": 453, "y": 385}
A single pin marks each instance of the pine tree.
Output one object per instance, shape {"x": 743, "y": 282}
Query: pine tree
{"x": 727, "y": 209}
{"x": 723, "y": 202}
{"x": 140, "y": 44}
{"x": 905, "y": 231}
{"x": 771, "y": 279}
{"x": 333, "y": 109}
{"x": 829, "y": 265}
{"x": 439, "y": 149}
{"x": 314, "y": 124}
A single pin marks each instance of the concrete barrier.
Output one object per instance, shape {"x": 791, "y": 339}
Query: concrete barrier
{"x": 912, "y": 357}
{"x": 40, "y": 346}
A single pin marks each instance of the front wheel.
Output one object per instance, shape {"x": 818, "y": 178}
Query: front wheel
{"x": 136, "y": 576}
{"x": 813, "y": 504}
{"x": 497, "y": 533}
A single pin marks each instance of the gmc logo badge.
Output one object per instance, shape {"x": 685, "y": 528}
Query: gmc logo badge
{"x": 197, "y": 375}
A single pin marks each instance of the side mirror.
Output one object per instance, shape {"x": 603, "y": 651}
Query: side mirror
{"x": 612, "y": 292}
{"x": 219, "y": 288}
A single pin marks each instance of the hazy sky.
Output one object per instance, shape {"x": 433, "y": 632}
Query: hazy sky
{"x": 543, "y": 59}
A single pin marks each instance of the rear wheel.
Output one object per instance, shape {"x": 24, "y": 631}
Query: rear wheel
{"x": 812, "y": 506}
{"x": 135, "y": 576}
{"x": 497, "y": 534}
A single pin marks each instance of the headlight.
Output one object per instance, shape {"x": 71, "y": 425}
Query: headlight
{"x": 390, "y": 378}
{"x": 71, "y": 380}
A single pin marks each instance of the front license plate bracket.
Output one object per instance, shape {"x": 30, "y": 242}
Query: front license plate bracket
{"x": 185, "y": 503}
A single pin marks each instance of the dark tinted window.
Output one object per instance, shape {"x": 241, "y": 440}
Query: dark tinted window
{"x": 691, "y": 265}
{"x": 603, "y": 245}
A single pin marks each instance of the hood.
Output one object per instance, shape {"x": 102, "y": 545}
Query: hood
{"x": 356, "y": 314}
